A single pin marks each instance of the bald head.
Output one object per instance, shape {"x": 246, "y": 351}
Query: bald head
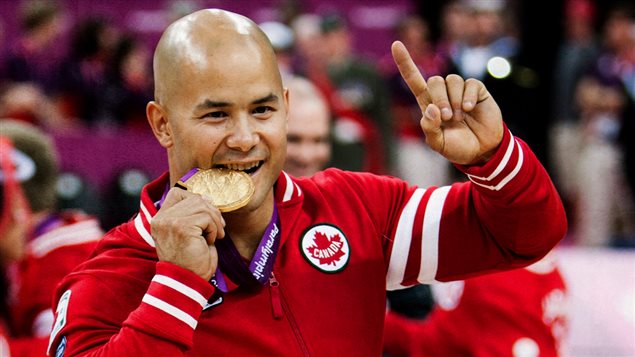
{"x": 206, "y": 39}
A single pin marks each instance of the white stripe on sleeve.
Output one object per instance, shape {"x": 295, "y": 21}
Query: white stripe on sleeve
{"x": 170, "y": 310}
{"x": 509, "y": 177}
{"x": 502, "y": 164}
{"x": 182, "y": 288}
{"x": 430, "y": 243}
{"x": 401, "y": 245}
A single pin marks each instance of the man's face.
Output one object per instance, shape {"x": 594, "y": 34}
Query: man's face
{"x": 228, "y": 110}
{"x": 308, "y": 139}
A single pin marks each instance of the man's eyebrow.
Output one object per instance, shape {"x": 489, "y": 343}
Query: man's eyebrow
{"x": 208, "y": 104}
{"x": 269, "y": 98}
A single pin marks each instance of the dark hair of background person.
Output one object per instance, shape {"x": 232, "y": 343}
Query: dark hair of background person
{"x": 37, "y": 13}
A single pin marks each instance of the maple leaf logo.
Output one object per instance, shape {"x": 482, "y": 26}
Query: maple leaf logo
{"x": 327, "y": 250}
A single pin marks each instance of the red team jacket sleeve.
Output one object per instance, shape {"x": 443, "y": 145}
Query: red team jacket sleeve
{"x": 508, "y": 216}
{"x": 162, "y": 325}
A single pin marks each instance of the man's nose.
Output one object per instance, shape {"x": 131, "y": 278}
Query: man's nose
{"x": 243, "y": 135}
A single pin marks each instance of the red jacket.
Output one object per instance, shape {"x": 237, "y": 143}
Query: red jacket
{"x": 52, "y": 253}
{"x": 345, "y": 238}
{"x": 57, "y": 246}
{"x": 521, "y": 312}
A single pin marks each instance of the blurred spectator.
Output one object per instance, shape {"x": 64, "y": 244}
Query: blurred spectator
{"x": 576, "y": 54}
{"x": 282, "y": 40}
{"x": 363, "y": 131}
{"x": 308, "y": 129}
{"x": 490, "y": 51}
{"x": 455, "y": 27}
{"x": 602, "y": 204}
{"x": 519, "y": 313}
{"x": 416, "y": 162}
{"x": 575, "y": 58}
{"x": 310, "y": 57}
{"x": 619, "y": 63}
{"x": 32, "y": 57}
{"x": 26, "y": 101}
{"x": 356, "y": 139}
{"x": 604, "y": 212}
{"x": 51, "y": 242}
{"x": 14, "y": 218}
{"x": 83, "y": 76}
{"x": 129, "y": 87}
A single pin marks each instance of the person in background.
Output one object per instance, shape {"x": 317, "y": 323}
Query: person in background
{"x": 455, "y": 27}
{"x": 54, "y": 241}
{"x": 603, "y": 199}
{"x": 603, "y": 210}
{"x": 129, "y": 86}
{"x": 15, "y": 215}
{"x": 26, "y": 101}
{"x": 575, "y": 57}
{"x": 309, "y": 129}
{"x": 84, "y": 75}
{"x": 490, "y": 51}
{"x": 33, "y": 57}
{"x": 363, "y": 128}
{"x": 518, "y": 313}
{"x": 282, "y": 40}
{"x": 356, "y": 139}
{"x": 176, "y": 280}
{"x": 618, "y": 63}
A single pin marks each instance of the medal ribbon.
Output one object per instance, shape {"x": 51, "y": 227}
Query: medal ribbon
{"x": 232, "y": 264}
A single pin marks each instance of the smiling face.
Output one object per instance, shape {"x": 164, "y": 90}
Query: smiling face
{"x": 219, "y": 99}
{"x": 308, "y": 135}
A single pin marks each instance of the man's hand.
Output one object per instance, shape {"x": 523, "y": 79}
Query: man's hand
{"x": 461, "y": 120}
{"x": 185, "y": 229}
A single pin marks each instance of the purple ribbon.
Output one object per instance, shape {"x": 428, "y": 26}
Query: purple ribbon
{"x": 167, "y": 186}
{"x": 232, "y": 264}
{"x": 257, "y": 273}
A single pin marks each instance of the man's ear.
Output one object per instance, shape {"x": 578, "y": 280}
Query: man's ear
{"x": 158, "y": 121}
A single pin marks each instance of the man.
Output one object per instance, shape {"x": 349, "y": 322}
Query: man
{"x": 308, "y": 129}
{"x": 47, "y": 243}
{"x": 341, "y": 238}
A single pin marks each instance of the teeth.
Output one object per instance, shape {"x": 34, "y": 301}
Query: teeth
{"x": 242, "y": 166}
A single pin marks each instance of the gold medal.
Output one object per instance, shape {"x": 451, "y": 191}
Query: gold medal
{"x": 228, "y": 189}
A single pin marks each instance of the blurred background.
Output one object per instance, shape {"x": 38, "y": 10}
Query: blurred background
{"x": 563, "y": 74}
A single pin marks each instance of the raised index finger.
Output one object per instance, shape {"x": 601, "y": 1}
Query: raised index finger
{"x": 410, "y": 73}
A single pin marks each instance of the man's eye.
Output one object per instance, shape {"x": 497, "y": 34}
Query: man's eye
{"x": 215, "y": 115}
{"x": 263, "y": 110}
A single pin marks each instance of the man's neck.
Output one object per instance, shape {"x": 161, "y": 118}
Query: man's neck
{"x": 247, "y": 228}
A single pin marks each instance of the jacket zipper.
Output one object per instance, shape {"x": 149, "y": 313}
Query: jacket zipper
{"x": 280, "y": 308}
{"x": 276, "y": 303}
